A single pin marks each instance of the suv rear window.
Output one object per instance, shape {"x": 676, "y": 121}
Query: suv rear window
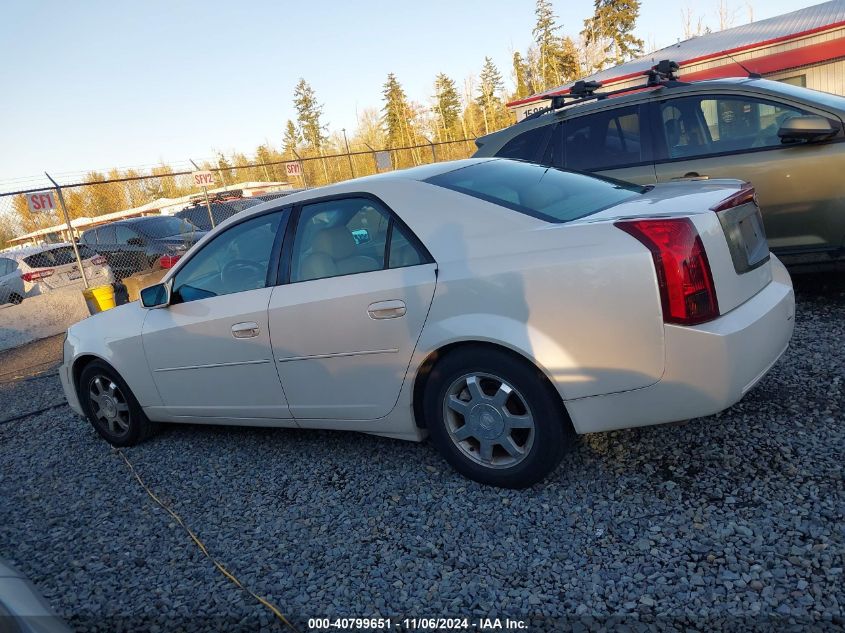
{"x": 57, "y": 256}
{"x": 547, "y": 193}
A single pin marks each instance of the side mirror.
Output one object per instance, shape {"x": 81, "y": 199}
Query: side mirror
{"x": 157, "y": 296}
{"x": 806, "y": 128}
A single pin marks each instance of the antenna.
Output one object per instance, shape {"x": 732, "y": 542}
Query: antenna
{"x": 750, "y": 74}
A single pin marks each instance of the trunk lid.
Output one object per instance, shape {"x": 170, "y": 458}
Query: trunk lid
{"x": 728, "y": 220}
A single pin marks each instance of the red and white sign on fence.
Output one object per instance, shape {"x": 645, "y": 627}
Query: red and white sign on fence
{"x": 41, "y": 202}
{"x": 203, "y": 178}
{"x": 293, "y": 169}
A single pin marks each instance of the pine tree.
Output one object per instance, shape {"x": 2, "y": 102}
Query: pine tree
{"x": 490, "y": 84}
{"x": 548, "y": 44}
{"x": 447, "y": 108}
{"x": 613, "y": 24}
{"x": 225, "y": 172}
{"x": 291, "y": 141}
{"x": 308, "y": 113}
{"x": 395, "y": 118}
{"x": 520, "y": 77}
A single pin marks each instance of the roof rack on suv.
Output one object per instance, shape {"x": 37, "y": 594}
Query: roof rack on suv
{"x": 662, "y": 74}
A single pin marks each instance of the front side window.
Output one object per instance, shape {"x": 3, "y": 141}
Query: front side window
{"x": 603, "y": 140}
{"x": 548, "y": 193}
{"x": 697, "y": 126}
{"x": 237, "y": 260}
{"x": 526, "y": 146}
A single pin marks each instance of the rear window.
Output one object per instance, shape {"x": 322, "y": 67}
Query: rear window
{"x": 164, "y": 227}
{"x": 547, "y": 193}
{"x": 57, "y": 256}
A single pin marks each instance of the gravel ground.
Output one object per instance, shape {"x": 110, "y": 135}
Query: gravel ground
{"x": 733, "y": 522}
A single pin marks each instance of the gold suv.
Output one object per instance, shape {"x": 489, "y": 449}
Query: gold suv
{"x": 786, "y": 140}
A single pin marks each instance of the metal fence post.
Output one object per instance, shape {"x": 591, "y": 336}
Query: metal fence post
{"x": 69, "y": 229}
{"x": 205, "y": 191}
{"x": 348, "y": 153}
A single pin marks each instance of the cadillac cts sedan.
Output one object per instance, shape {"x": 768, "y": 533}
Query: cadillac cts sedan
{"x": 496, "y": 305}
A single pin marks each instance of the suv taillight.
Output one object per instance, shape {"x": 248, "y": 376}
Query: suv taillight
{"x": 99, "y": 260}
{"x": 744, "y": 195}
{"x": 683, "y": 272}
{"x": 168, "y": 261}
{"x": 35, "y": 275}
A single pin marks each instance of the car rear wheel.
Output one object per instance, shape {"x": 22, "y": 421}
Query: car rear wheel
{"x": 111, "y": 407}
{"x": 495, "y": 418}
{"x": 15, "y": 299}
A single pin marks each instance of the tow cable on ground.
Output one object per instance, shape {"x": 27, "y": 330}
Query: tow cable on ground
{"x": 231, "y": 577}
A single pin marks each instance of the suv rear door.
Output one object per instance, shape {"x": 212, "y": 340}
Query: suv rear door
{"x": 734, "y": 135}
{"x": 614, "y": 142}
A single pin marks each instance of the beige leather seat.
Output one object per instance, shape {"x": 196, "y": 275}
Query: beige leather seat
{"x": 333, "y": 253}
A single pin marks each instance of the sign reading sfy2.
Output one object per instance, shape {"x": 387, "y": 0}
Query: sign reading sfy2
{"x": 203, "y": 178}
{"x": 41, "y": 202}
{"x": 293, "y": 169}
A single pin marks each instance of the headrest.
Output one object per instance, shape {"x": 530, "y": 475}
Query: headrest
{"x": 336, "y": 241}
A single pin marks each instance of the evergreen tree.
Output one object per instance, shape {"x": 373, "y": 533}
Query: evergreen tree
{"x": 395, "y": 118}
{"x": 447, "y": 107}
{"x": 308, "y": 113}
{"x": 557, "y": 58}
{"x": 490, "y": 84}
{"x": 291, "y": 141}
{"x": 613, "y": 24}
{"x": 520, "y": 77}
{"x": 226, "y": 173}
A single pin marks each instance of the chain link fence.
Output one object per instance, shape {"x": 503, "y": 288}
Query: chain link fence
{"x": 126, "y": 231}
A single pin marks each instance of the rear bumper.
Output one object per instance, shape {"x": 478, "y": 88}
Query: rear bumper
{"x": 708, "y": 367}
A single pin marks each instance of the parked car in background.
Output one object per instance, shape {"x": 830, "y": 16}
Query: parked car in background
{"x": 498, "y": 305}
{"x": 30, "y": 271}
{"x": 786, "y": 140}
{"x": 135, "y": 245}
{"x": 22, "y": 607}
{"x": 220, "y": 211}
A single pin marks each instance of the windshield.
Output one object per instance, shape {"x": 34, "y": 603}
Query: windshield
{"x": 548, "y": 193}
{"x": 165, "y": 227}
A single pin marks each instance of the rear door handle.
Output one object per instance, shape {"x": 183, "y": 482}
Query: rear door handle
{"x": 387, "y": 309}
{"x": 245, "y": 330}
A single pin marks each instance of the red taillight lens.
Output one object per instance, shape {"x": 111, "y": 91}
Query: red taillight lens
{"x": 35, "y": 275}
{"x": 744, "y": 195}
{"x": 168, "y": 261}
{"x": 683, "y": 272}
{"x": 99, "y": 260}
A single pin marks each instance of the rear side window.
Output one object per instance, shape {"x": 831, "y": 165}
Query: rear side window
{"x": 526, "y": 146}
{"x": 548, "y": 193}
{"x": 603, "y": 140}
{"x": 106, "y": 235}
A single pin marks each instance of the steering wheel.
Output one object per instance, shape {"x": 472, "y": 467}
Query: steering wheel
{"x": 236, "y": 271}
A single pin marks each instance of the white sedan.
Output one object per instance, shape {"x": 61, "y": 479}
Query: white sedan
{"x": 496, "y": 305}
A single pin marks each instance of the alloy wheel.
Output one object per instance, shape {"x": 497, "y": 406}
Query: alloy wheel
{"x": 109, "y": 405}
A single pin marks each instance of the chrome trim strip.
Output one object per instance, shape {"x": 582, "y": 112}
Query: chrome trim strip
{"x": 340, "y": 354}
{"x": 213, "y": 365}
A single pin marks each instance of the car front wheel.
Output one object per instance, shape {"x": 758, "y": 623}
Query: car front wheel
{"x": 111, "y": 407}
{"x": 495, "y": 418}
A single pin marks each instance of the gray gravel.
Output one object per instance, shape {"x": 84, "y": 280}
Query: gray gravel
{"x": 733, "y": 522}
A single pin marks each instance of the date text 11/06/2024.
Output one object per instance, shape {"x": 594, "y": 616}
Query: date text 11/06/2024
{"x": 412, "y": 624}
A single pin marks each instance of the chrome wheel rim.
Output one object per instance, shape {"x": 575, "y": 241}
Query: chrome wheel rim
{"x": 488, "y": 420}
{"x": 109, "y": 405}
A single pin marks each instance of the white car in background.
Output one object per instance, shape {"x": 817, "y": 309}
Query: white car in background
{"x": 496, "y": 305}
{"x": 27, "y": 272}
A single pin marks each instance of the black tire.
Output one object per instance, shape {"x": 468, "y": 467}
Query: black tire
{"x": 15, "y": 299}
{"x": 552, "y": 430}
{"x": 138, "y": 426}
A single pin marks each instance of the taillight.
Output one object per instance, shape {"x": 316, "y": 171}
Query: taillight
{"x": 99, "y": 260}
{"x": 683, "y": 272}
{"x": 744, "y": 195}
{"x": 35, "y": 275}
{"x": 168, "y": 261}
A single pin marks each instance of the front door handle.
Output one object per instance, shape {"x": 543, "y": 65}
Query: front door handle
{"x": 245, "y": 330}
{"x": 387, "y": 309}
{"x": 692, "y": 174}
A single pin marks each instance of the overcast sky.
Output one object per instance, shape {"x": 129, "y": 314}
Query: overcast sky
{"x": 92, "y": 85}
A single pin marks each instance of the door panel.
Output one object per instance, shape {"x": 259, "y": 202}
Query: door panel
{"x": 336, "y": 359}
{"x": 204, "y": 365}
